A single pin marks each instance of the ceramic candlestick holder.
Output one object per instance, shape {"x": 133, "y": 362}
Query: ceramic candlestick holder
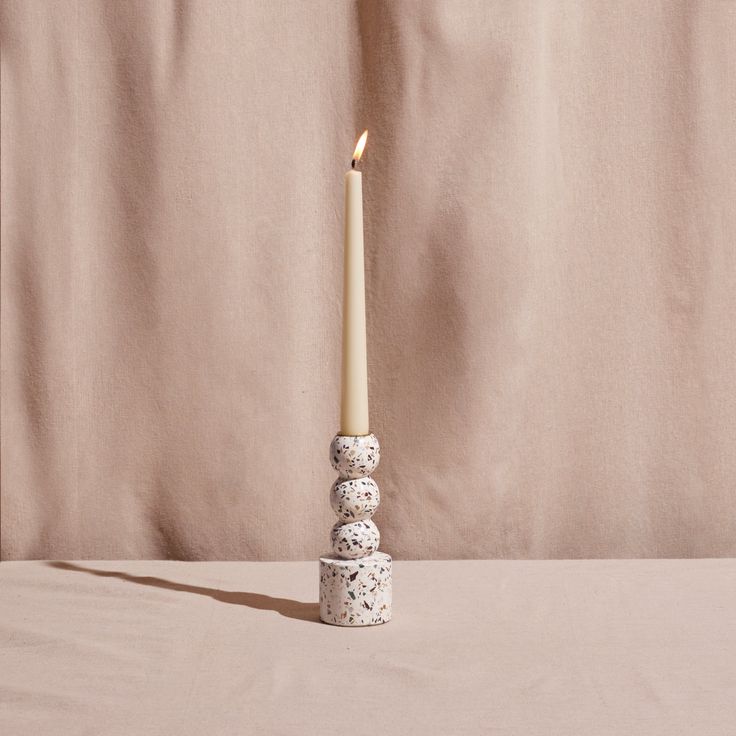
{"x": 355, "y": 578}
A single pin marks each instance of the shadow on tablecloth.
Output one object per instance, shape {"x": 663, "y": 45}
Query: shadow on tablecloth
{"x": 283, "y": 606}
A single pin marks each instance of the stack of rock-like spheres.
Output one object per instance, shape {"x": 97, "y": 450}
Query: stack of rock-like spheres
{"x": 355, "y": 579}
{"x": 354, "y": 496}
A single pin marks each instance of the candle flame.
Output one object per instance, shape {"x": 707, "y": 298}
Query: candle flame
{"x": 359, "y": 147}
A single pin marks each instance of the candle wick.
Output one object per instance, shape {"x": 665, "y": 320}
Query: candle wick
{"x": 352, "y": 165}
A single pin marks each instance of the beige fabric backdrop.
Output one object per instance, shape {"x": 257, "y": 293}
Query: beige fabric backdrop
{"x": 551, "y": 275}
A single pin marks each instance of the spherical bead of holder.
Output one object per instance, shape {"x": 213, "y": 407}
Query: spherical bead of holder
{"x": 352, "y": 541}
{"x": 354, "y": 500}
{"x": 355, "y": 456}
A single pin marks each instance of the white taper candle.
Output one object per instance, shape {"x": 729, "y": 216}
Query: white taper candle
{"x": 354, "y": 394}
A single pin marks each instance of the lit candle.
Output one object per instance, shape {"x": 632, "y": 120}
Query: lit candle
{"x": 354, "y": 403}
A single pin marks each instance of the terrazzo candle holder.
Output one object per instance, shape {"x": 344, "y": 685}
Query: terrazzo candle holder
{"x": 355, "y": 578}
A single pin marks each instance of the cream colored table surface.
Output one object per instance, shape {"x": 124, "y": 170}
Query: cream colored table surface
{"x": 475, "y": 647}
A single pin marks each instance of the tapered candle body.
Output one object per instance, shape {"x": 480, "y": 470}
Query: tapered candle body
{"x": 354, "y": 394}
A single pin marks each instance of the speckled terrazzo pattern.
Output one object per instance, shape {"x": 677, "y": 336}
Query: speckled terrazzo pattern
{"x": 358, "y": 539}
{"x": 355, "y": 457}
{"x": 355, "y": 592}
{"x": 355, "y": 580}
{"x": 353, "y": 500}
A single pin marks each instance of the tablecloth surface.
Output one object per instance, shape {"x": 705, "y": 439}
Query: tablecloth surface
{"x": 475, "y": 647}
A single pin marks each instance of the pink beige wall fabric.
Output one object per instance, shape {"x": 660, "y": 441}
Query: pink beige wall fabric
{"x": 551, "y": 275}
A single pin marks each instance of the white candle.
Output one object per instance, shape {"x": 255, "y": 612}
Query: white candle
{"x": 354, "y": 395}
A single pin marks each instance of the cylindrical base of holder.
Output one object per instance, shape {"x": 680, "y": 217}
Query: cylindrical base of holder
{"x": 355, "y": 592}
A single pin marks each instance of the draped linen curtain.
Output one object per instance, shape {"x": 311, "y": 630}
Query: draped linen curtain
{"x": 550, "y": 205}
